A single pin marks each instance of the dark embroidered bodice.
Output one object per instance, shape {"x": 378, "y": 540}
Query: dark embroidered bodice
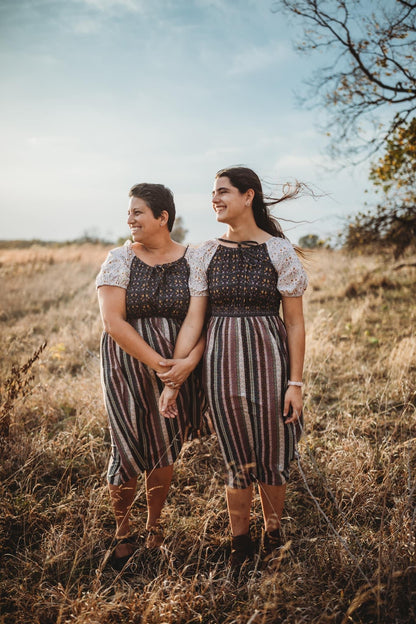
{"x": 158, "y": 291}
{"x": 243, "y": 282}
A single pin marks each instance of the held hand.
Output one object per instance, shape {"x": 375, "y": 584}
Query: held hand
{"x": 167, "y": 402}
{"x": 293, "y": 404}
{"x": 178, "y": 370}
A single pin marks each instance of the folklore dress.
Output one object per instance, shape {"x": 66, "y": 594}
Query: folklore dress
{"x": 157, "y": 299}
{"x": 246, "y": 362}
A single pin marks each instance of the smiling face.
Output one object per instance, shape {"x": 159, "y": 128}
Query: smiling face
{"x": 142, "y": 222}
{"x": 229, "y": 204}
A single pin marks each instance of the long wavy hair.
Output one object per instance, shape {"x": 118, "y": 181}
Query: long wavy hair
{"x": 243, "y": 179}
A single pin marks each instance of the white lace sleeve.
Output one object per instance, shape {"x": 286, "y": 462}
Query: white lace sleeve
{"x": 291, "y": 276}
{"x": 199, "y": 260}
{"x": 115, "y": 270}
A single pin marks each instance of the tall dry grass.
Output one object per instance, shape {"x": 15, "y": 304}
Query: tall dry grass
{"x": 349, "y": 520}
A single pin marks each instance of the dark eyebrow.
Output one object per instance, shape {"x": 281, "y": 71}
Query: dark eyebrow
{"x": 222, "y": 188}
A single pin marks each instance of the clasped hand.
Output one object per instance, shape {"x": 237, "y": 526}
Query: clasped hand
{"x": 177, "y": 371}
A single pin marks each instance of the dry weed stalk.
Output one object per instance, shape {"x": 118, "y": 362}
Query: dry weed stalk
{"x": 16, "y": 387}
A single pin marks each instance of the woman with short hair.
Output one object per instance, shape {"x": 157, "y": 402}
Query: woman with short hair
{"x": 144, "y": 296}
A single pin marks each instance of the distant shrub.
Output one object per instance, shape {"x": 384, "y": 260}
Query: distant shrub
{"x": 311, "y": 241}
{"x": 388, "y": 228}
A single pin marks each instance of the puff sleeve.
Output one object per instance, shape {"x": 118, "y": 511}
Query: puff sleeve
{"x": 115, "y": 270}
{"x": 292, "y": 279}
{"x": 199, "y": 260}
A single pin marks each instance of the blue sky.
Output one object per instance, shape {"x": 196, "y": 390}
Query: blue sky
{"x": 98, "y": 95}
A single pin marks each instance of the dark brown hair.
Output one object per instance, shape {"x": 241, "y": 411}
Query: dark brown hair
{"x": 158, "y": 198}
{"x": 244, "y": 179}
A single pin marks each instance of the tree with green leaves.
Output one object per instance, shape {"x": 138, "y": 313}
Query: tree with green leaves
{"x": 310, "y": 241}
{"x": 369, "y": 90}
{"x": 368, "y": 83}
{"x": 393, "y": 223}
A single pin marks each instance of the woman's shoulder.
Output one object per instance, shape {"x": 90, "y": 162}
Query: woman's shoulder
{"x": 125, "y": 251}
{"x": 207, "y": 245}
{"x": 292, "y": 279}
{"x": 201, "y": 256}
{"x": 201, "y": 250}
{"x": 280, "y": 244}
{"x": 115, "y": 270}
{"x": 121, "y": 254}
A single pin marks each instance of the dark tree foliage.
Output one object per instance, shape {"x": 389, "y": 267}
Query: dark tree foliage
{"x": 310, "y": 241}
{"x": 393, "y": 223}
{"x": 371, "y": 44}
{"x": 369, "y": 90}
{"x": 386, "y": 228}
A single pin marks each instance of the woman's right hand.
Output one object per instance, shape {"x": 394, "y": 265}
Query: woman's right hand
{"x": 292, "y": 409}
{"x": 176, "y": 370}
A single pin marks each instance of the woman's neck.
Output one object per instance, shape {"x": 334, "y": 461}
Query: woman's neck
{"x": 246, "y": 232}
{"x": 159, "y": 250}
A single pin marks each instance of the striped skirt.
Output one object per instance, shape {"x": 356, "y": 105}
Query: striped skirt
{"x": 141, "y": 438}
{"x": 246, "y": 368}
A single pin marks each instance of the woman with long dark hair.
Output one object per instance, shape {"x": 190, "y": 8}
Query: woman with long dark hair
{"x": 253, "y": 360}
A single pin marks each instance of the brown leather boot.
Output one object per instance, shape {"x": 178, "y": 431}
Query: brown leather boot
{"x": 119, "y": 562}
{"x": 272, "y": 542}
{"x": 155, "y": 537}
{"x": 241, "y": 551}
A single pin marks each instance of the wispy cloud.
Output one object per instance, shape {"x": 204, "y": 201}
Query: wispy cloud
{"x": 119, "y": 91}
{"x": 52, "y": 141}
{"x": 135, "y": 6}
{"x": 254, "y": 58}
{"x": 91, "y": 17}
{"x": 86, "y": 26}
{"x": 222, "y": 5}
{"x": 220, "y": 152}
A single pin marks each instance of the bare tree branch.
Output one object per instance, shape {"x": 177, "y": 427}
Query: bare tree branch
{"x": 374, "y": 70}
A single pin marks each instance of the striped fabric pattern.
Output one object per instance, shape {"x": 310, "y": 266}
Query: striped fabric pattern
{"x": 141, "y": 438}
{"x": 245, "y": 377}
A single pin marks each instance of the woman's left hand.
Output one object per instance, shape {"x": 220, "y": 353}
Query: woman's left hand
{"x": 179, "y": 371}
{"x": 293, "y": 404}
{"x": 167, "y": 402}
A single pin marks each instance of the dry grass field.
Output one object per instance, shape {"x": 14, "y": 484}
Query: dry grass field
{"x": 350, "y": 517}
